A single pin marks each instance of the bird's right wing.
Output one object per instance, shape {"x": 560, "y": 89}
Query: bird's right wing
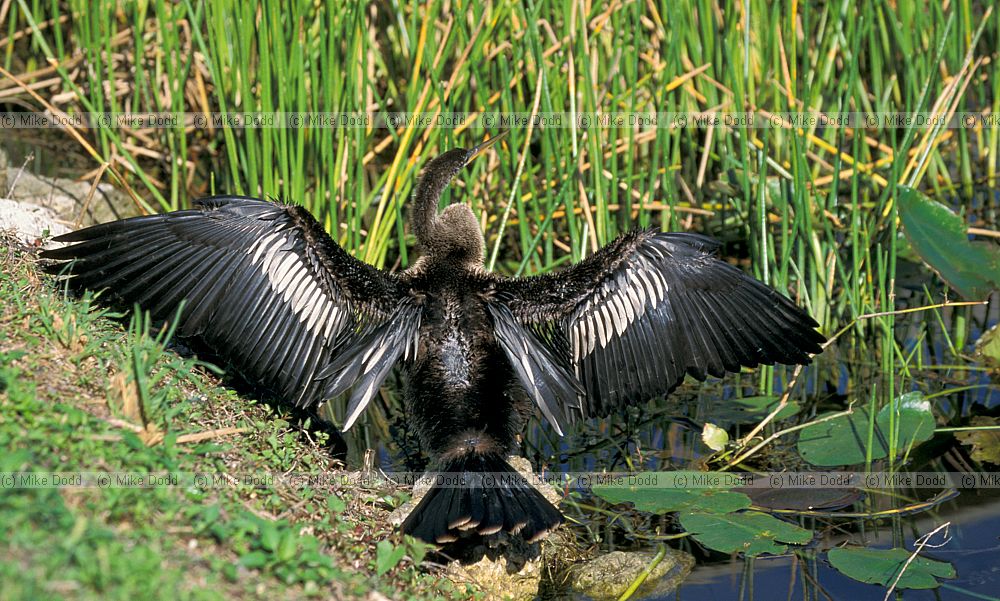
{"x": 632, "y": 319}
{"x": 263, "y": 285}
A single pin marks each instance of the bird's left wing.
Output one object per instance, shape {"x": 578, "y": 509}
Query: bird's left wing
{"x": 637, "y": 315}
{"x": 262, "y": 284}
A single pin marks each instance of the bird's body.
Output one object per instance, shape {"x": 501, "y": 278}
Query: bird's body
{"x": 462, "y": 372}
{"x": 264, "y": 285}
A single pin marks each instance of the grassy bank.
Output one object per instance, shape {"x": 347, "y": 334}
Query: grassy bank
{"x": 81, "y": 391}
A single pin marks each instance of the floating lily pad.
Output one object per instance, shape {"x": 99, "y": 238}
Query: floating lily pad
{"x": 881, "y": 566}
{"x": 988, "y": 347}
{"x": 662, "y": 492}
{"x": 749, "y": 532}
{"x": 843, "y": 440}
{"x": 940, "y": 238}
{"x": 804, "y": 499}
{"x": 714, "y": 437}
{"x": 985, "y": 443}
{"x": 750, "y": 409}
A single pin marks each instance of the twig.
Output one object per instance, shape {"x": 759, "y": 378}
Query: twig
{"x": 120, "y": 423}
{"x": 915, "y": 310}
{"x": 13, "y": 184}
{"x": 209, "y": 434}
{"x": 90, "y": 195}
{"x": 912, "y": 508}
{"x": 923, "y": 541}
{"x": 781, "y": 404}
{"x": 978, "y": 231}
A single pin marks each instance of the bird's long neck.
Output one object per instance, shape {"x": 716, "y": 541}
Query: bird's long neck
{"x": 425, "y": 206}
{"x": 435, "y": 179}
{"x": 453, "y": 236}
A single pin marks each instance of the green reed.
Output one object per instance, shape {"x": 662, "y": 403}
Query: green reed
{"x": 809, "y": 209}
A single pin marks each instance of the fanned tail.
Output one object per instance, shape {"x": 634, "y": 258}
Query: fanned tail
{"x": 481, "y": 493}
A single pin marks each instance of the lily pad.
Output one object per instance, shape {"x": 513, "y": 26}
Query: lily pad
{"x": 750, "y": 409}
{"x": 714, "y": 437}
{"x": 940, "y": 238}
{"x": 985, "y": 443}
{"x": 881, "y": 566}
{"x": 662, "y": 492}
{"x": 804, "y": 499}
{"x": 749, "y": 532}
{"x": 988, "y": 347}
{"x": 843, "y": 440}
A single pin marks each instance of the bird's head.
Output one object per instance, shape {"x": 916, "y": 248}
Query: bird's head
{"x": 454, "y": 234}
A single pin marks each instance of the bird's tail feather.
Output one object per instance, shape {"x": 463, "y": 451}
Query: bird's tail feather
{"x": 480, "y": 493}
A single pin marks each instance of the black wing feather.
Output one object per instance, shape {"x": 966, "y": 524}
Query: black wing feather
{"x": 366, "y": 361}
{"x": 650, "y": 307}
{"x": 546, "y": 377}
{"x": 261, "y": 283}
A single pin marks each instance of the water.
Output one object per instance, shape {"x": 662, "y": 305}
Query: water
{"x": 973, "y": 548}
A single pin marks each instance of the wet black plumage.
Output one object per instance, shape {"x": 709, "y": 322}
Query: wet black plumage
{"x": 263, "y": 284}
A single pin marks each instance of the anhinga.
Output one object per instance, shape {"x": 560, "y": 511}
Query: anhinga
{"x": 265, "y": 286}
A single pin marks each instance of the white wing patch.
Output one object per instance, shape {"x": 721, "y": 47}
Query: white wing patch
{"x": 607, "y": 316}
{"x": 290, "y": 276}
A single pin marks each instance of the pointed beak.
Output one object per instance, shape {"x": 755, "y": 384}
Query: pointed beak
{"x": 475, "y": 151}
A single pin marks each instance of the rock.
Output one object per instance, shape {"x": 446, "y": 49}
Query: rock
{"x": 497, "y": 578}
{"x": 523, "y": 466}
{"x": 608, "y": 576}
{"x": 66, "y": 198}
{"x": 420, "y": 489}
{"x": 38, "y": 204}
{"x": 29, "y": 222}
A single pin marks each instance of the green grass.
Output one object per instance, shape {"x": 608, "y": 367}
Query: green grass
{"x": 64, "y": 408}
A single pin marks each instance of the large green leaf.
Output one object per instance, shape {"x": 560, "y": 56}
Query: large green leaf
{"x": 881, "y": 566}
{"x": 749, "y": 532}
{"x": 662, "y": 492}
{"x": 939, "y": 237}
{"x": 843, "y": 440}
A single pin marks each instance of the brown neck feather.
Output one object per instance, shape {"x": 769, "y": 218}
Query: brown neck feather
{"x": 454, "y": 235}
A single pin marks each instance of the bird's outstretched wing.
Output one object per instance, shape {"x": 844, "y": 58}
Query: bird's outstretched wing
{"x": 648, "y": 308}
{"x": 261, "y": 283}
